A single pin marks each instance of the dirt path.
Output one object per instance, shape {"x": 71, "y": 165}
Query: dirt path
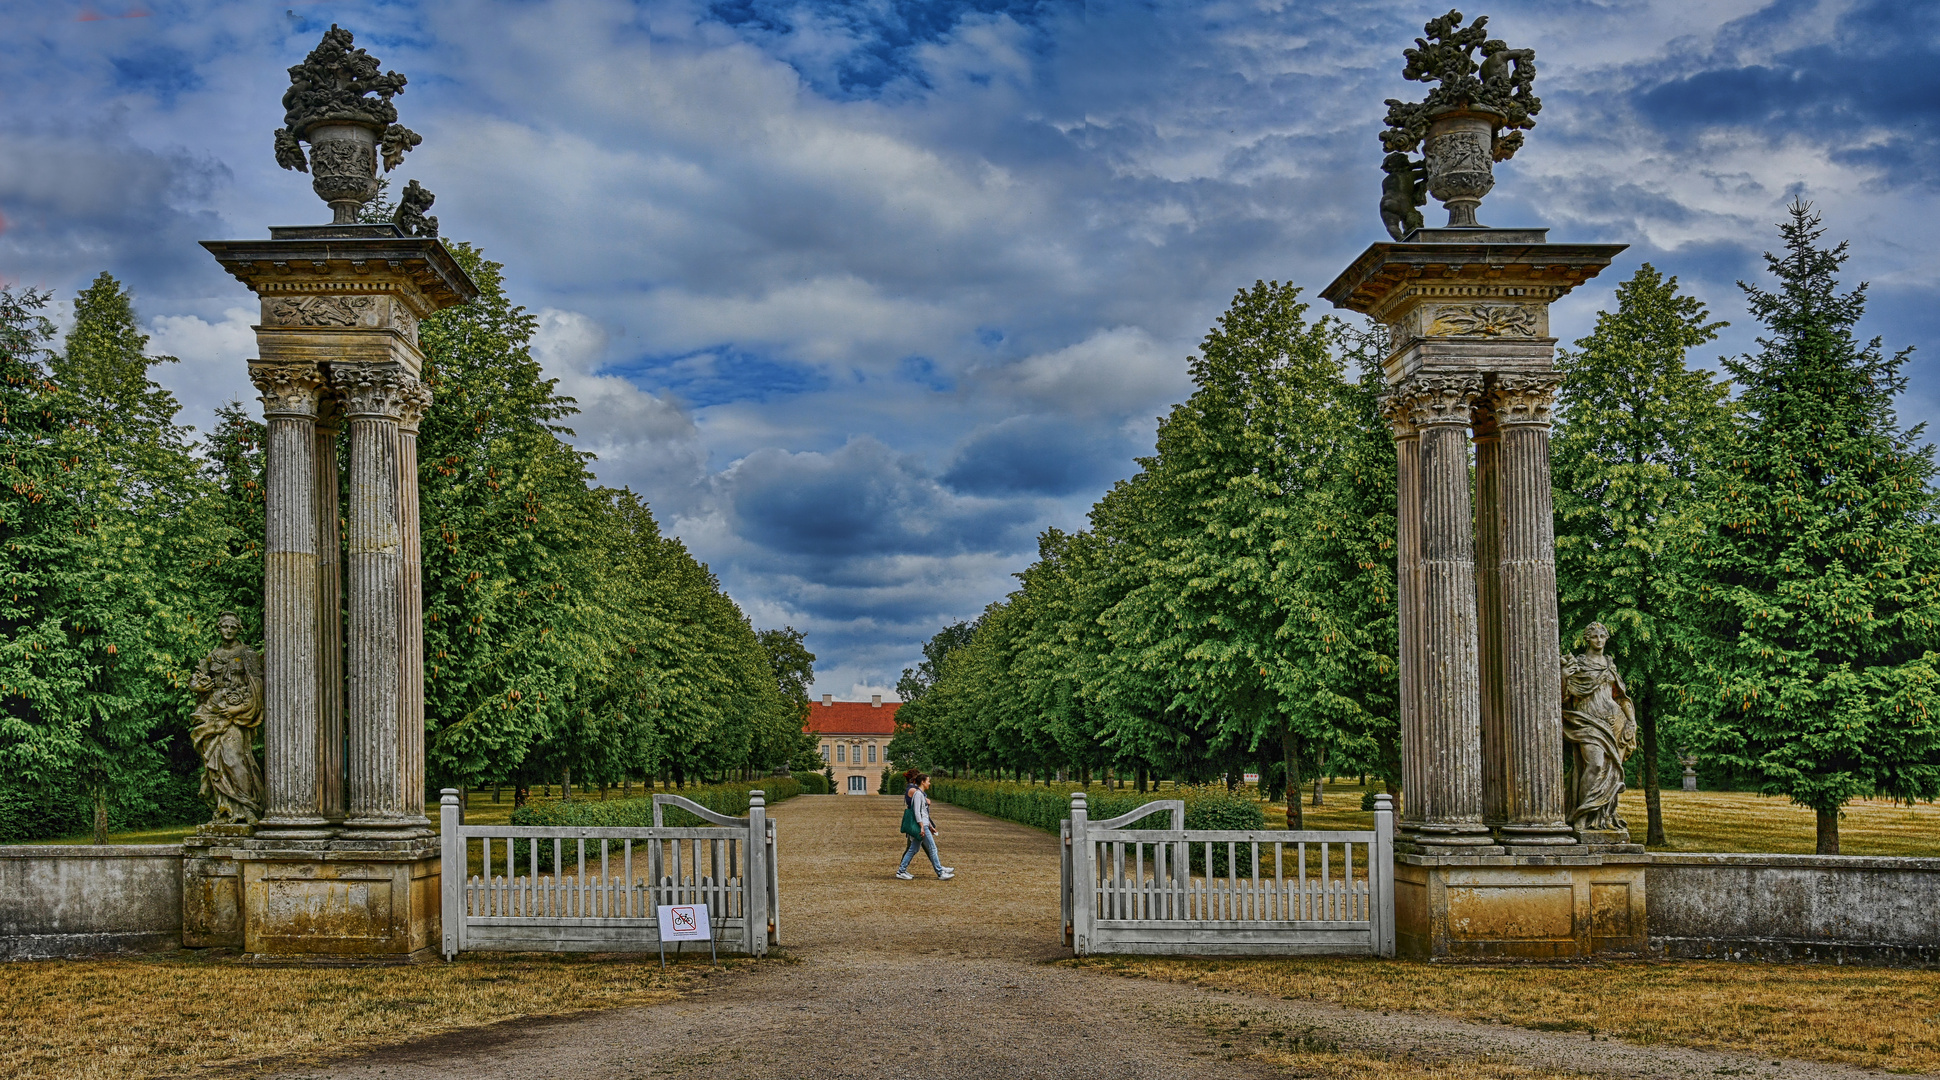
{"x": 888, "y": 978}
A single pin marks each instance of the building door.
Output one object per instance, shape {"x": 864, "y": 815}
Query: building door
{"x": 858, "y": 785}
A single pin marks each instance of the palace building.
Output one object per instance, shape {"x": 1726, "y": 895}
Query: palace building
{"x": 855, "y": 740}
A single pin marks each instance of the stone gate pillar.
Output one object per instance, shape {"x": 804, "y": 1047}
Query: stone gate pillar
{"x": 1487, "y": 864}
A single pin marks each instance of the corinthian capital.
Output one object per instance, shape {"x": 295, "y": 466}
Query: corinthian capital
{"x": 368, "y": 390}
{"x": 1523, "y": 399}
{"x": 1438, "y": 399}
{"x": 287, "y": 389}
{"x": 414, "y": 401}
{"x": 1395, "y": 410}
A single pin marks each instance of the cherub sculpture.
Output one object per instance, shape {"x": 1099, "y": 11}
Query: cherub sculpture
{"x": 410, "y": 215}
{"x": 1404, "y": 189}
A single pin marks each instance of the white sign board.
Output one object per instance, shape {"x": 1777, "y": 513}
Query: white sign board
{"x": 684, "y": 922}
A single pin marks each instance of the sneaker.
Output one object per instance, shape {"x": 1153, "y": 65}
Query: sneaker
{"x": 947, "y": 873}
{"x": 904, "y": 875}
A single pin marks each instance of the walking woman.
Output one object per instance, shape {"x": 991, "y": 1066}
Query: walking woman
{"x": 918, "y": 827}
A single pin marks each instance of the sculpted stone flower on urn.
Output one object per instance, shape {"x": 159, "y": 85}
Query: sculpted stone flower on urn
{"x": 1473, "y": 118}
{"x": 340, "y": 104}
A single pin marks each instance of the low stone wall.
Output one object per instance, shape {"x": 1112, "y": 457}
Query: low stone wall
{"x": 77, "y": 900}
{"x": 1822, "y": 908}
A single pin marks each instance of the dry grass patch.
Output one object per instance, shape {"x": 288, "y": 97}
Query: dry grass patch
{"x": 1711, "y": 821}
{"x": 105, "y": 1019}
{"x": 1873, "y": 1017}
{"x": 1235, "y": 1031}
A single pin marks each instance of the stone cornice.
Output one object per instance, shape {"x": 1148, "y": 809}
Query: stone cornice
{"x": 1369, "y": 283}
{"x": 323, "y": 262}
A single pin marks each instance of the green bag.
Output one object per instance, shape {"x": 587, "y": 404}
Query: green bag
{"x": 911, "y": 827}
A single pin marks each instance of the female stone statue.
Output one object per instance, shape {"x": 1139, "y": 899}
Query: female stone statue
{"x": 1600, "y": 721}
{"x": 228, "y": 686}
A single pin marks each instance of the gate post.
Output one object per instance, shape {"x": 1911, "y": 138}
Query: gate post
{"x": 451, "y": 871}
{"x": 1082, "y": 878}
{"x": 754, "y": 887}
{"x": 1383, "y": 872}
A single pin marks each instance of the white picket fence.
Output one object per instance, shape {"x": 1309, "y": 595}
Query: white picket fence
{"x": 559, "y": 889}
{"x": 1254, "y": 892}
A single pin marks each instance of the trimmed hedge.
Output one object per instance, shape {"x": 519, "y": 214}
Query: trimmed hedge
{"x": 730, "y": 799}
{"x": 814, "y": 783}
{"x": 1042, "y": 806}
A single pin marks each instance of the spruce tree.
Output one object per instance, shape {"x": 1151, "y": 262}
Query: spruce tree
{"x": 1814, "y": 588}
{"x": 1637, "y": 428}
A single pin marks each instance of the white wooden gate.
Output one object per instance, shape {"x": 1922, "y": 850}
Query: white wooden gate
{"x": 569, "y": 889}
{"x": 1206, "y": 892}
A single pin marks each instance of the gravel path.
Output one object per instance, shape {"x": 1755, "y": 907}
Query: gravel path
{"x": 888, "y": 978}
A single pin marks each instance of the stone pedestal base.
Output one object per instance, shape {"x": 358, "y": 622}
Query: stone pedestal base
{"x": 339, "y": 900}
{"x": 212, "y": 888}
{"x": 1519, "y": 907}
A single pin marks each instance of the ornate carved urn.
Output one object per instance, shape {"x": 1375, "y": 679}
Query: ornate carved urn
{"x": 330, "y": 106}
{"x": 1460, "y": 153}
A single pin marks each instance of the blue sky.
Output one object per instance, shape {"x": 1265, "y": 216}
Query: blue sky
{"x": 864, "y": 295}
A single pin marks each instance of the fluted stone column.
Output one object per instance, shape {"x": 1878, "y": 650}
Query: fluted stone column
{"x": 293, "y": 806}
{"x": 1407, "y": 577}
{"x": 1445, "y": 805}
{"x": 1522, "y": 740}
{"x": 373, "y": 397}
{"x": 417, "y": 399}
{"x": 330, "y": 614}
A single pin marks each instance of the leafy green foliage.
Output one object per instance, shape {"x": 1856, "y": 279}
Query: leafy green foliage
{"x": 1637, "y": 430}
{"x": 1229, "y": 606}
{"x": 110, "y": 532}
{"x": 1043, "y": 806}
{"x": 1812, "y": 584}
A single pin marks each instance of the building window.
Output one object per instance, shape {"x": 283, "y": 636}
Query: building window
{"x": 825, "y": 751}
{"x": 841, "y": 752}
{"x": 872, "y": 753}
{"x": 858, "y": 785}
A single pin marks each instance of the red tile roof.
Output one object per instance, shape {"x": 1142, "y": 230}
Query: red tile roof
{"x": 852, "y": 718}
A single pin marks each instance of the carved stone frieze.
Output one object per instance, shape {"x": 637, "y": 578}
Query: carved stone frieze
{"x": 373, "y": 389}
{"x": 287, "y": 389}
{"x": 325, "y": 310}
{"x": 1484, "y": 320}
{"x": 1524, "y": 399}
{"x": 1438, "y": 399}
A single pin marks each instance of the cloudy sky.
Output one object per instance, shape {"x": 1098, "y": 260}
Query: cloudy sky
{"x": 862, "y": 295}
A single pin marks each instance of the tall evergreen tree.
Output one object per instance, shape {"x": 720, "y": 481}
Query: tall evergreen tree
{"x": 1815, "y": 587}
{"x": 1637, "y": 427}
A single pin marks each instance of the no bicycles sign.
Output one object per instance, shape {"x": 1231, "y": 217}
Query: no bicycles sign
{"x": 684, "y": 922}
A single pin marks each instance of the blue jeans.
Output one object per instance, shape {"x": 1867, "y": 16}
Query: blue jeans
{"x": 928, "y": 844}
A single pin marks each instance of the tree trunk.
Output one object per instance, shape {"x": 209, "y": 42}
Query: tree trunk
{"x": 1141, "y": 779}
{"x": 1829, "y": 831}
{"x": 498, "y": 790}
{"x": 566, "y": 784}
{"x": 626, "y": 786}
{"x": 1653, "y": 794}
{"x": 521, "y": 791}
{"x": 1320, "y": 768}
{"x": 1290, "y": 746}
{"x": 101, "y": 809}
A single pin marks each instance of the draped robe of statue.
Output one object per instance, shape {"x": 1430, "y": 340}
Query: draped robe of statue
{"x": 228, "y": 685}
{"x": 1600, "y": 723}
